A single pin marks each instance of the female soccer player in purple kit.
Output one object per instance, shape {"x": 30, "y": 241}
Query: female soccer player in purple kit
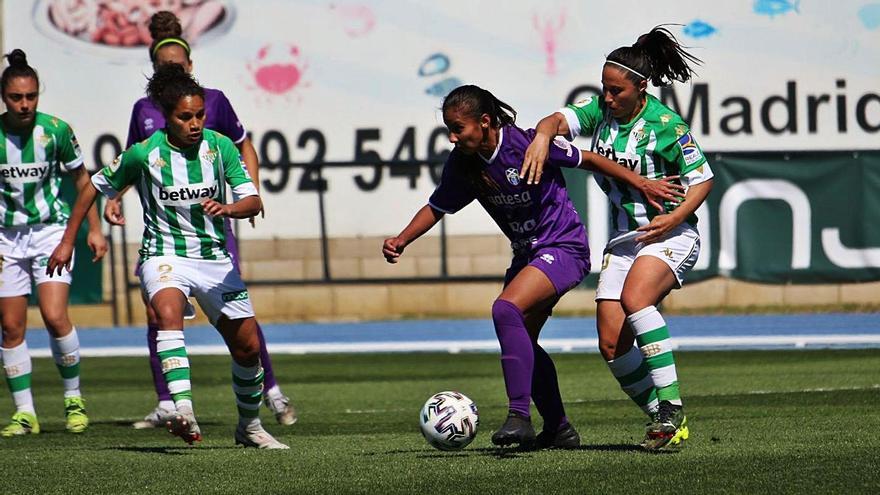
{"x": 146, "y": 118}
{"x": 549, "y": 243}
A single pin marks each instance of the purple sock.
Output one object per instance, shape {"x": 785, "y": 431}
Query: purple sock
{"x": 545, "y": 391}
{"x": 517, "y": 356}
{"x": 159, "y": 383}
{"x": 268, "y": 374}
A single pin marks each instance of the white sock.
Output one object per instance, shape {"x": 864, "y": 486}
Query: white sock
{"x": 17, "y": 365}
{"x": 65, "y": 350}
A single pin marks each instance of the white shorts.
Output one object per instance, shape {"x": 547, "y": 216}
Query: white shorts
{"x": 24, "y": 255}
{"x": 216, "y": 284}
{"x": 679, "y": 250}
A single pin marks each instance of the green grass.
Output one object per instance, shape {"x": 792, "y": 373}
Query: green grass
{"x": 761, "y": 422}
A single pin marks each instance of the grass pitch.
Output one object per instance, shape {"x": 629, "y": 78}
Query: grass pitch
{"x": 769, "y": 421}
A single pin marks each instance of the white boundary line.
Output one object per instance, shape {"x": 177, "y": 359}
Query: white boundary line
{"x": 454, "y": 347}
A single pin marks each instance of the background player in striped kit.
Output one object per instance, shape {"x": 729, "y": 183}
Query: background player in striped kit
{"x": 181, "y": 172}
{"x": 651, "y": 248}
{"x": 36, "y": 146}
{"x": 146, "y": 118}
{"x": 549, "y": 243}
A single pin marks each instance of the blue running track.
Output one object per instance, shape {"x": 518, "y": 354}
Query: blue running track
{"x": 560, "y": 334}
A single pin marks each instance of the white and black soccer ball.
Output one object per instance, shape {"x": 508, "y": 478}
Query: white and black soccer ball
{"x": 449, "y": 420}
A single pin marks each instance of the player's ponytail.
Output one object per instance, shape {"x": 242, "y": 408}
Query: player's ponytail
{"x": 165, "y": 29}
{"x": 475, "y": 101}
{"x": 18, "y": 67}
{"x": 656, "y": 56}
{"x": 170, "y": 83}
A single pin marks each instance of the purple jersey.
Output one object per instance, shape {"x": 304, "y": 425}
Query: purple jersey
{"x": 532, "y": 216}
{"x": 147, "y": 118}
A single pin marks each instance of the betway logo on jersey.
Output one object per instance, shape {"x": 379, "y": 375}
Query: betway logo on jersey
{"x": 187, "y": 195}
{"x": 629, "y": 160}
{"x": 23, "y": 173}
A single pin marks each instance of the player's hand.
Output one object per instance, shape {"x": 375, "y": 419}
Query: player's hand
{"x": 253, "y": 219}
{"x": 97, "y": 243}
{"x": 656, "y": 191}
{"x": 534, "y": 159}
{"x": 60, "y": 259}
{"x": 660, "y": 226}
{"x": 392, "y": 248}
{"x": 215, "y": 209}
{"x": 113, "y": 212}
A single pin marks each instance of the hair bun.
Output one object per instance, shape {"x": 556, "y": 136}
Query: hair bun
{"x": 165, "y": 24}
{"x": 17, "y": 57}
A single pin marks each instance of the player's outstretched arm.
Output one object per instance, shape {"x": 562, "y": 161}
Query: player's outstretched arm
{"x": 537, "y": 152}
{"x": 62, "y": 255}
{"x": 422, "y": 222}
{"x": 655, "y": 191}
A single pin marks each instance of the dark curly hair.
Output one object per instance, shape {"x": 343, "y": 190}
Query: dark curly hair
{"x": 170, "y": 83}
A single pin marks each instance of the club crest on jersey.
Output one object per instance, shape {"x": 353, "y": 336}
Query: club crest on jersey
{"x": 210, "y": 155}
{"x": 512, "y": 176}
{"x": 582, "y": 103}
{"x": 689, "y": 149}
{"x": 563, "y": 145}
{"x": 44, "y": 139}
{"x": 638, "y": 134}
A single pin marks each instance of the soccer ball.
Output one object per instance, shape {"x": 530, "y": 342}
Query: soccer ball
{"x": 449, "y": 420}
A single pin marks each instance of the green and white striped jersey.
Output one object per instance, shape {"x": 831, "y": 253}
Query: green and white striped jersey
{"x": 30, "y": 172}
{"x": 173, "y": 183}
{"x": 656, "y": 144}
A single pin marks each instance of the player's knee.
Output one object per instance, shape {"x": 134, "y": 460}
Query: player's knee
{"x": 55, "y": 318}
{"x": 167, "y": 315}
{"x": 504, "y": 310}
{"x": 633, "y": 301}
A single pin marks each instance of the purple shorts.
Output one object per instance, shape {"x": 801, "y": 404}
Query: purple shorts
{"x": 566, "y": 268}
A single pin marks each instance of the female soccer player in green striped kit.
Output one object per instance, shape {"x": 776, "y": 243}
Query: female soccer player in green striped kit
{"x": 34, "y": 147}
{"x": 651, "y": 250}
{"x": 181, "y": 172}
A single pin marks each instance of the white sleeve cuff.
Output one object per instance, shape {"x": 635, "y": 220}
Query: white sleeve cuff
{"x": 103, "y": 185}
{"x": 74, "y": 164}
{"x": 698, "y": 175}
{"x": 574, "y": 124}
{"x": 244, "y": 190}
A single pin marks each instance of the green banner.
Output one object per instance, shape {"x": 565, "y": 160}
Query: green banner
{"x": 774, "y": 217}
{"x": 807, "y": 217}
{"x": 88, "y": 281}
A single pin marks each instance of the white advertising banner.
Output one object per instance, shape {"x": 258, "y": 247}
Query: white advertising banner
{"x": 343, "y": 81}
